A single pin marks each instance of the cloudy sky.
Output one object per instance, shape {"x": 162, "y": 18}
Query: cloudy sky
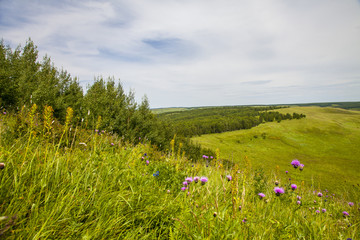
{"x": 200, "y": 52}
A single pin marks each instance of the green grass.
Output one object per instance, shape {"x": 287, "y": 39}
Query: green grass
{"x": 93, "y": 189}
{"x": 327, "y": 141}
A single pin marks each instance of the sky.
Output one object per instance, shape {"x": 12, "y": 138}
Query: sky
{"x": 186, "y": 53}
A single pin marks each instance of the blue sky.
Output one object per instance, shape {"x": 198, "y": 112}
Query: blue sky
{"x": 200, "y": 52}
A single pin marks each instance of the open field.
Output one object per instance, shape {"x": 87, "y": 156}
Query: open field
{"x": 327, "y": 141}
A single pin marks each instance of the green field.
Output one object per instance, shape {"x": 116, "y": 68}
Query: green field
{"x": 327, "y": 141}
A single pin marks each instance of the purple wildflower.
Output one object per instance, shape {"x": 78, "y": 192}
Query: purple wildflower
{"x": 183, "y": 188}
{"x": 293, "y": 186}
{"x": 319, "y": 194}
{"x": 196, "y": 179}
{"x": 298, "y": 197}
{"x": 203, "y": 180}
{"x": 286, "y": 172}
{"x": 229, "y": 178}
{"x": 112, "y": 144}
{"x": 147, "y": 162}
{"x": 323, "y": 210}
{"x": 314, "y": 201}
{"x": 351, "y": 204}
{"x": 188, "y": 180}
{"x": 185, "y": 183}
{"x": 295, "y": 163}
{"x": 278, "y": 191}
{"x": 317, "y": 211}
{"x": 298, "y": 202}
{"x": 301, "y": 167}
{"x": 261, "y": 195}
{"x": 345, "y": 213}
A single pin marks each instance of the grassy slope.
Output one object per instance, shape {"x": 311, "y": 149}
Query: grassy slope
{"x": 327, "y": 141}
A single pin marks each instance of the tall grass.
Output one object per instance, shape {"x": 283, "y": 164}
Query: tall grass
{"x": 59, "y": 183}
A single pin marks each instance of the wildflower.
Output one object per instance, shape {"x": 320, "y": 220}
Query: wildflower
{"x": 286, "y": 172}
{"x": 2, "y": 165}
{"x": 350, "y": 203}
{"x": 239, "y": 208}
{"x": 168, "y": 191}
{"x": 317, "y": 211}
{"x": 112, "y": 144}
{"x": 298, "y": 202}
{"x": 293, "y": 186}
{"x": 188, "y": 180}
{"x": 345, "y": 213}
{"x": 211, "y": 157}
{"x": 244, "y": 220}
{"x": 196, "y": 179}
{"x": 229, "y": 178}
{"x": 278, "y": 191}
{"x": 261, "y": 195}
{"x": 323, "y": 210}
{"x": 215, "y": 214}
{"x": 319, "y": 194}
{"x": 185, "y": 183}
{"x": 295, "y": 163}
{"x": 276, "y": 182}
{"x": 96, "y": 130}
{"x": 203, "y": 180}
{"x": 156, "y": 174}
{"x": 301, "y": 167}
{"x": 147, "y": 162}
{"x": 183, "y": 189}
{"x": 298, "y": 197}
{"x": 142, "y": 158}
{"x": 145, "y": 154}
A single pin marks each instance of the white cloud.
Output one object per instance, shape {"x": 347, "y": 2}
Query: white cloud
{"x": 205, "y": 52}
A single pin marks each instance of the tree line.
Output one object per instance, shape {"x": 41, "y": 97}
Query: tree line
{"x": 24, "y": 80}
{"x": 200, "y": 121}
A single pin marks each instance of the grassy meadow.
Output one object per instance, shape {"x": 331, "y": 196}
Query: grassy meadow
{"x": 326, "y": 141}
{"x": 65, "y": 182}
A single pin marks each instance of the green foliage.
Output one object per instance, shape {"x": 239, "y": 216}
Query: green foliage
{"x": 207, "y": 120}
{"x": 328, "y": 139}
{"x": 101, "y": 187}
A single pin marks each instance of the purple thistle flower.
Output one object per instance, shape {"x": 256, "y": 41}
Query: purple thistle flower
{"x": 147, "y": 162}
{"x": 293, "y": 186}
{"x": 298, "y": 202}
{"x": 286, "y": 172}
{"x": 298, "y": 197}
{"x": 319, "y": 194}
{"x": 317, "y": 211}
{"x": 323, "y": 210}
{"x": 211, "y": 157}
{"x": 314, "y": 201}
{"x": 185, "y": 183}
{"x": 345, "y": 213}
{"x": 183, "y": 189}
{"x": 295, "y": 163}
{"x": 188, "y": 180}
{"x": 301, "y": 167}
{"x": 229, "y": 178}
{"x": 196, "y": 179}
{"x": 203, "y": 180}
{"x": 351, "y": 204}
{"x": 278, "y": 191}
{"x": 112, "y": 144}
{"x": 261, "y": 195}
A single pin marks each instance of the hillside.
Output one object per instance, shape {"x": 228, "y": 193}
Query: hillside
{"x": 327, "y": 141}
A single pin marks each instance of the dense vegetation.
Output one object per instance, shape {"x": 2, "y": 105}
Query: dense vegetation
{"x": 200, "y": 121}
{"x": 25, "y": 81}
{"x": 62, "y": 181}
